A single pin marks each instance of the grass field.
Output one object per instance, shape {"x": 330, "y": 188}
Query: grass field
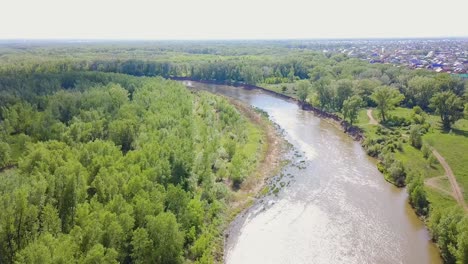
{"x": 452, "y": 145}
{"x": 413, "y": 158}
{"x": 290, "y": 88}
{"x": 439, "y": 199}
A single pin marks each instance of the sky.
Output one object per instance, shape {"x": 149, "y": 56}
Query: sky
{"x": 231, "y": 19}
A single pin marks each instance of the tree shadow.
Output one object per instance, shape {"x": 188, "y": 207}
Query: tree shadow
{"x": 460, "y": 132}
{"x": 455, "y": 131}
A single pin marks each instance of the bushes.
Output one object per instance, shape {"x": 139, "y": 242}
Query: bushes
{"x": 417, "y": 194}
{"x": 395, "y": 121}
{"x": 426, "y": 150}
{"x": 385, "y": 141}
{"x": 397, "y": 173}
{"x": 427, "y": 154}
{"x": 392, "y": 169}
{"x": 416, "y": 136}
{"x": 449, "y": 227}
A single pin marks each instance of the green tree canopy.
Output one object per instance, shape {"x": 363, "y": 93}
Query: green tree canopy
{"x": 303, "y": 88}
{"x": 351, "y": 108}
{"x": 448, "y": 106}
{"x": 386, "y": 98}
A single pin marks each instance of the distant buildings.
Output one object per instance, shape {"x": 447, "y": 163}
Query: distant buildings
{"x": 439, "y": 55}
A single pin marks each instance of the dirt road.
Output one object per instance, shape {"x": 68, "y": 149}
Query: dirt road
{"x": 457, "y": 192}
{"x": 372, "y": 120}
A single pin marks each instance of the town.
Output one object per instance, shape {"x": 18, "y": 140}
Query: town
{"x": 439, "y": 55}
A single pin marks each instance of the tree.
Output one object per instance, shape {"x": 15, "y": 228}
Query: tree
{"x": 34, "y": 253}
{"x": 194, "y": 215}
{"x": 4, "y": 154}
{"x": 303, "y": 90}
{"x": 77, "y": 197}
{"x": 462, "y": 242}
{"x": 386, "y": 98}
{"x": 325, "y": 94}
{"x": 123, "y": 132}
{"x": 64, "y": 105}
{"x": 364, "y": 89}
{"x": 99, "y": 254}
{"x": 422, "y": 89}
{"x": 419, "y": 200}
{"x": 397, "y": 173}
{"x": 444, "y": 225}
{"x": 50, "y": 220}
{"x": 176, "y": 199}
{"x": 446, "y": 82}
{"x": 448, "y": 106}
{"x": 351, "y": 107}
{"x": 18, "y": 118}
{"x": 142, "y": 246}
{"x": 291, "y": 74}
{"x": 465, "y": 113}
{"x": 415, "y": 136}
{"x": 417, "y": 195}
{"x": 48, "y": 249}
{"x": 343, "y": 90}
{"x": 167, "y": 239}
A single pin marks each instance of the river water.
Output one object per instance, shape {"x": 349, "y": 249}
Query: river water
{"x": 335, "y": 207}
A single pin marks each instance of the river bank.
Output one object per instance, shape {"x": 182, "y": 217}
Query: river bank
{"x": 269, "y": 165}
{"x": 333, "y": 201}
{"x": 353, "y": 131}
{"x": 256, "y": 184}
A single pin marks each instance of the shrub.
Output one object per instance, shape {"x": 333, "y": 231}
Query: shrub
{"x": 395, "y": 121}
{"x": 417, "y": 110}
{"x": 417, "y": 194}
{"x": 415, "y": 136}
{"x": 432, "y": 160}
{"x": 4, "y": 154}
{"x": 426, "y": 151}
{"x": 397, "y": 172}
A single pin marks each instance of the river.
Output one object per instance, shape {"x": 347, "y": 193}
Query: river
{"x": 335, "y": 207}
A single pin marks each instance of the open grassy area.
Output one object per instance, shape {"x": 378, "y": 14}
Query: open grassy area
{"x": 440, "y": 200}
{"x": 453, "y": 146}
{"x": 362, "y": 118}
{"x": 288, "y": 89}
{"x": 363, "y": 121}
{"x": 402, "y": 112}
{"x": 413, "y": 158}
{"x": 407, "y": 113}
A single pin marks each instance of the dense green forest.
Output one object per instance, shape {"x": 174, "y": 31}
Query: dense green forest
{"x": 107, "y": 168}
{"x": 49, "y": 108}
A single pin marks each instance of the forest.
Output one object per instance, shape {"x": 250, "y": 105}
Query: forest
{"x": 109, "y": 168}
{"x": 72, "y": 116}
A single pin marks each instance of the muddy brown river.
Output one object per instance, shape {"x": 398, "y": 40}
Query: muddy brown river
{"x": 335, "y": 206}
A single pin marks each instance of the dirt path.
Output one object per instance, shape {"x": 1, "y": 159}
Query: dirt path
{"x": 457, "y": 192}
{"x": 433, "y": 183}
{"x": 372, "y": 120}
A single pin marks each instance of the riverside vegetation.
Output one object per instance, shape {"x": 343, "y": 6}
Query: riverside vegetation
{"x": 417, "y": 110}
{"x": 108, "y": 168}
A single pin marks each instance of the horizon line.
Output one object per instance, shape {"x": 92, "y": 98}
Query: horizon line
{"x": 229, "y": 39}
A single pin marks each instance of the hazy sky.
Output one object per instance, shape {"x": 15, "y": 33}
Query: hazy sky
{"x": 231, "y": 19}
